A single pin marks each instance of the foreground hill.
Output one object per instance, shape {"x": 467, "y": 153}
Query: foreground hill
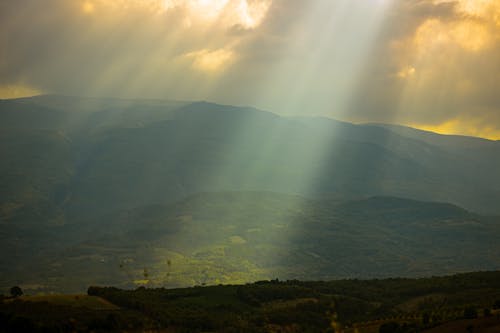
{"x": 440, "y": 304}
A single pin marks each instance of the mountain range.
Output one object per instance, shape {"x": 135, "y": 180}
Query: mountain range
{"x": 178, "y": 193}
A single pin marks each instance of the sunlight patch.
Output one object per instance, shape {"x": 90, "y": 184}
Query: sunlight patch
{"x": 237, "y": 240}
{"x": 460, "y": 126}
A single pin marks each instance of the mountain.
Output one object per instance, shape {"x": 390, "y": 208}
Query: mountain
{"x": 179, "y": 193}
{"x": 83, "y": 155}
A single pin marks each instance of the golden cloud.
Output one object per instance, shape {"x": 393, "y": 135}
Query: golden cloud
{"x": 488, "y": 9}
{"x": 210, "y": 60}
{"x": 245, "y": 13}
{"x": 474, "y": 27}
{"x": 406, "y": 72}
{"x": 88, "y": 7}
{"x": 434, "y": 34}
{"x": 452, "y": 49}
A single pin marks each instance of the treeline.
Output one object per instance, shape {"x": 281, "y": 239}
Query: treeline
{"x": 311, "y": 306}
{"x": 395, "y": 305}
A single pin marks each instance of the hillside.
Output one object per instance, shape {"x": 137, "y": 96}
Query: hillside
{"x": 238, "y": 237}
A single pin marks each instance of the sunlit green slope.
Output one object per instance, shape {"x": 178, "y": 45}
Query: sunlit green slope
{"x": 237, "y": 237}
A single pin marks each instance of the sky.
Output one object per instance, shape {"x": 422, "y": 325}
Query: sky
{"x": 430, "y": 64}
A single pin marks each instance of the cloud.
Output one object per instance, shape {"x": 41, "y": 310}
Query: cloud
{"x": 210, "y": 61}
{"x": 428, "y": 63}
{"x": 439, "y": 67}
{"x": 406, "y": 72}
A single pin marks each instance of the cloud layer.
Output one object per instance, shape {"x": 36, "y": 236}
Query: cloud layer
{"x": 433, "y": 64}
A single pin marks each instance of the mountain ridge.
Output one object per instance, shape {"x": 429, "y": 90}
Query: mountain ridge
{"x": 233, "y": 148}
{"x": 71, "y": 98}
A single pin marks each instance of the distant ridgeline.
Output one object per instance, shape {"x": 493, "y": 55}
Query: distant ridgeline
{"x": 160, "y": 193}
{"x": 458, "y": 303}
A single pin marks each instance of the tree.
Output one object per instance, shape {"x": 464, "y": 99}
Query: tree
{"x": 390, "y": 327}
{"x": 426, "y": 318}
{"x": 16, "y": 291}
{"x": 470, "y": 313}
